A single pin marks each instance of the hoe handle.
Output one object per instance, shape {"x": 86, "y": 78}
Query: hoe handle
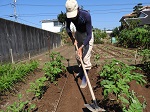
{"x": 87, "y": 78}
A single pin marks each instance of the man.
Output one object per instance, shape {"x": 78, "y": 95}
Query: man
{"x": 83, "y": 35}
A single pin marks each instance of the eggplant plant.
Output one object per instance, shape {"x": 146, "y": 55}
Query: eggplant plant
{"x": 53, "y": 68}
{"x": 116, "y": 78}
{"x": 20, "y": 106}
{"x": 37, "y": 87}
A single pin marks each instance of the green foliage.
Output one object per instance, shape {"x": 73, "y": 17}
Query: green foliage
{"x": 145, "y": 53}
{"x": 115, "y": 32}
{"x": 20, "y": 106}
{"x": 51, "y": 71}
{"x": 133, "y": 23}
{"x": 38, "y": 87}
{"x": 53, "y": 68}
{"x": 11, "y": 74}
{"x": 138, "y": 37}
{"x": 5, "y": 68}
{"x": 62, "y": 17}
{"x": 132, "y": 104}
{"x": 98, "y": 36}
{"x": 64, "y": 37}
{"x": 96, "y": 59}
{"x": 116, "y": 78}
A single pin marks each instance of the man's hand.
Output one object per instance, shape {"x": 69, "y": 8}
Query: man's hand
{"x": 75, "y": 42}
{"x": 79, "y": 52}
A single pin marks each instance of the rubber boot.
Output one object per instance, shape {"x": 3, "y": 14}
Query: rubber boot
{"x": 84, "y": 81}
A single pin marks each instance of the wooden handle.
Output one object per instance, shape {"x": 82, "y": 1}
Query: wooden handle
{"x": 87, "y": 78}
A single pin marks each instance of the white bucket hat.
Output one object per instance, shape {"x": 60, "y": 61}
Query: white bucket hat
{"x": 71, "y": 8}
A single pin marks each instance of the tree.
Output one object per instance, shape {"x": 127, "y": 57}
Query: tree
{"x": 137, "y": 8}
{"x": 98, "y": 35}
{"x": 115, "y": 32}
{"x": 133, "y": 23}
{"x": 61, "y": 18}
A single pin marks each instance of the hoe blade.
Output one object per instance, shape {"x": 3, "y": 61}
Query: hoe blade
{"x": 94, "y": 108}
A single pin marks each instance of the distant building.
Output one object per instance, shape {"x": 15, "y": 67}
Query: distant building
{"x": 143, "y": 15}
{"x": 108, "y": 32}
{"x": 51, "y": 25}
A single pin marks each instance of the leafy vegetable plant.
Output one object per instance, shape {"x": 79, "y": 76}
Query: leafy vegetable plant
{"x": 116, "y": 78}
{"x": 38, "y": 87}
{"x": 20, "y": 106}
{"x": 53, "y": 68}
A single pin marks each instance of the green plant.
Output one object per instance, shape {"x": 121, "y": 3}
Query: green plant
{"x": 116, "y": 78}
{"x": 11, "y": 74}
{"x": 132, "y": 104}
{"x": 5, "y": 68}
{"x": 147, "y": 67}
{"x": 145, "y": 53}
{"x": 98, "y": 35}
{"x": 38, "y": 87}
{"x": 53, "y": 68}
{"x": 20, "y": 106}
{"x": 136, "y": 37}
{"x": 96, "y": 59}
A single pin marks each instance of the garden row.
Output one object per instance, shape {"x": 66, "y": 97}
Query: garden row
{"x": 10, "y": 74}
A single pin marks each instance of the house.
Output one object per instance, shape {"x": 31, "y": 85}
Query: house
{"x": 143, "y": 15}
{"x": 51, "y": 25}
{"x": 109, "y": 32}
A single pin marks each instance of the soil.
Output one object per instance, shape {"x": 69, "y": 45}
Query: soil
{"x": 66, "y": 95}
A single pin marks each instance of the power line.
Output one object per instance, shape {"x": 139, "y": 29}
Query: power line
{"x": 109, "y": 12}
{"x": 55, "y": 14}
{"x": 29, "y": 22}
{"x": 56, "y": 5}
{"x": 114, "y": 4}
{"x": 38, "y": 14}
{"x": 40, "y": 5}
{"x": 4, "y": 5}
{"x": 109, "y": 9}
{"x": 35, "y": 15}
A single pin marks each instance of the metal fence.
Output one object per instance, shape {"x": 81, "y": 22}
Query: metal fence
{"x": 18, "y": 41}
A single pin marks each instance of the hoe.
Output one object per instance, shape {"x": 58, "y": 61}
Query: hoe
{"x": 92, "y": 107}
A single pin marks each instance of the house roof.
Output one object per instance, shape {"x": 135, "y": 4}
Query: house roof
{"x": 131, "y": 15}
{"x": 145, "y": 7}
{"x": 144, "y": 20}
{"x": 48, "y": 20}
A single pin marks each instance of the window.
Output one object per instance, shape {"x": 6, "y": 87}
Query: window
{"x": 142, "y": 15}
{"x": 57, "y": 23}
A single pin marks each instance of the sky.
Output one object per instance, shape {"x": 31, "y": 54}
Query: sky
{"x": 105, "y": 14}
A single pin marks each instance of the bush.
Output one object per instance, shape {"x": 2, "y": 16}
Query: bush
{"x": 138, "y": 37}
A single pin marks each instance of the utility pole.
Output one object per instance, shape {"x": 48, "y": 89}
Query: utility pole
{"x": 15, "y": 13}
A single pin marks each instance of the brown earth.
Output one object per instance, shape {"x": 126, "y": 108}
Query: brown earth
{"x": 66, "y": 95}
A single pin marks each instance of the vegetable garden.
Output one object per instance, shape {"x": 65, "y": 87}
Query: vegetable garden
{"x": 120, "y": 81}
